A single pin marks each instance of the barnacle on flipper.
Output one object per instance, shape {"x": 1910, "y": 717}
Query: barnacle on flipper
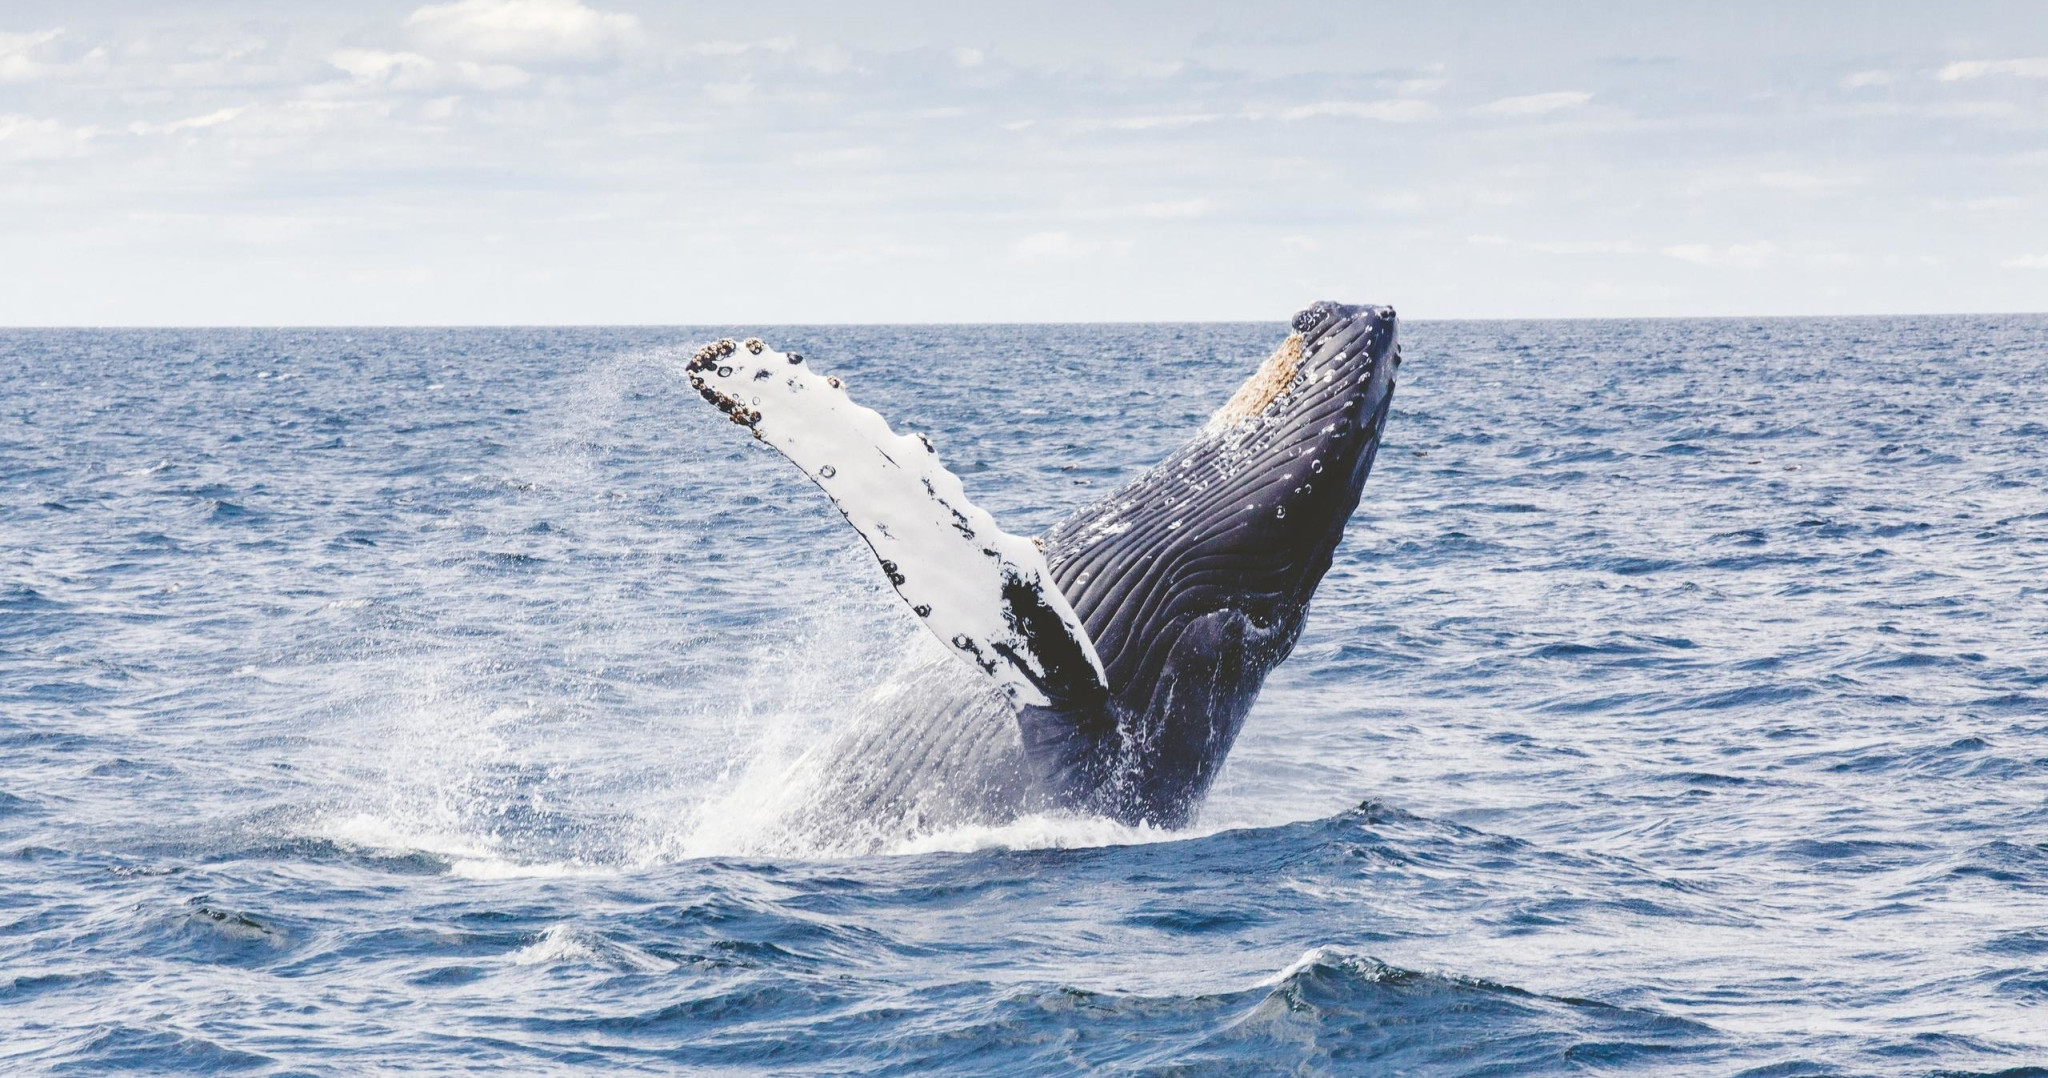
{"x": 1266, "y": 384}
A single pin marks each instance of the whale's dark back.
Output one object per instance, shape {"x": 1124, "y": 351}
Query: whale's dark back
{"x": 1193, "y": 580}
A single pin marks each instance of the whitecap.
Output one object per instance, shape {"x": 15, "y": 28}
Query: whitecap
{"x": 567, "y": 945}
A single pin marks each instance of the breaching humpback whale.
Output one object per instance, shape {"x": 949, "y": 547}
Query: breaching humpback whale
{"x": 1106, "y": 667}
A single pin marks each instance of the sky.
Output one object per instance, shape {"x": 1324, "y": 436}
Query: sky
{"x": 771, "y": 161}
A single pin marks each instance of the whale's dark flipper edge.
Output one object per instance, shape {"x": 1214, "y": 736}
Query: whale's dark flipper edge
{"x": 1133, "y": 638}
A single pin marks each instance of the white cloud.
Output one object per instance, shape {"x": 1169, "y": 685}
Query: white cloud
{"x": 1607, "y": 293}
{"x": 730, "y": 93}
{"x": 1165, "y": 210}
{"x": 1701, "y": 253}
{"x": 1418, "y": 87}
{"x": 1053, "y": 245}
{"x": 522, "y": 29}
{"x": 1152, "y": 69}
{"x": 25, "y": 138}
{"x": 836, "y": 156}
{"x": 1982, "y": 204}
{"x": 1146, "y": 123}
{"x": 16, "y": 62}
{"x": 1941, "y": 110}
{"x": 313, "y": 114}
{"x": 1584, "y": 247}
{"x": 872, "y": 253}
{"x": 190, "y": 123}
{"x": 371, "y": 65}
{"x": 1737, "y": 255}
{"x": 2034, "y": 67}
{"x": 719, "y": 48}
{"x": 237, "y": 227}
{"x": 1535, "y": 104}
{"x": 1118, "y": 185}
{"x": 739, "y": 48}
{"x": 1498, "y": 197}
{"x": 1394, "y": 111}
{"x": 412, "y": 71}
{"x": 214, "y": 57}
{"x": 825, "y": 59}
{"x": 1804, "y": 183}
{"x": 490, "y": 76}
{"x": 1562, "y": 247}
{"x": 1396, "y": 201}
{"x": 26, "y": 57}
{"x": 1063, "y": 247}
{"x": 1176, "y": 209}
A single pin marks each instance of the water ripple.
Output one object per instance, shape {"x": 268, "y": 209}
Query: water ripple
{"x": 412, "y": 700}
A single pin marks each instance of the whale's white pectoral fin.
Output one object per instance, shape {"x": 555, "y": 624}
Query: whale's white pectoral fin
{"x": 988, "y": 594}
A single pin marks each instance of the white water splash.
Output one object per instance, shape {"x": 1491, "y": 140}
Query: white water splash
{"x": 568, "y": 945}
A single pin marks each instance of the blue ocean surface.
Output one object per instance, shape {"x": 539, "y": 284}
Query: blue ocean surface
{"x": 415, "y": 701}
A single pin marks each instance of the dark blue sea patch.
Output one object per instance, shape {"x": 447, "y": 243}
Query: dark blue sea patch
{"x": 1671, "y": 705}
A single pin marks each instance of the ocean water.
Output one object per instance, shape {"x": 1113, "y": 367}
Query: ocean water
{"x": 415, "y": 701}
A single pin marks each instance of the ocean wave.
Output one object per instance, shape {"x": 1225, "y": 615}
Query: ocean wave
{"x": 464, "y": 743}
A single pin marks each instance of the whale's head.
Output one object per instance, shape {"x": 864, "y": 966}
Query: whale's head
{"x": 1193, "y": 580}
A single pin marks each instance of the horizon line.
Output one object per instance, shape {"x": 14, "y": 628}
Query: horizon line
{"x": 119, "y": 326}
